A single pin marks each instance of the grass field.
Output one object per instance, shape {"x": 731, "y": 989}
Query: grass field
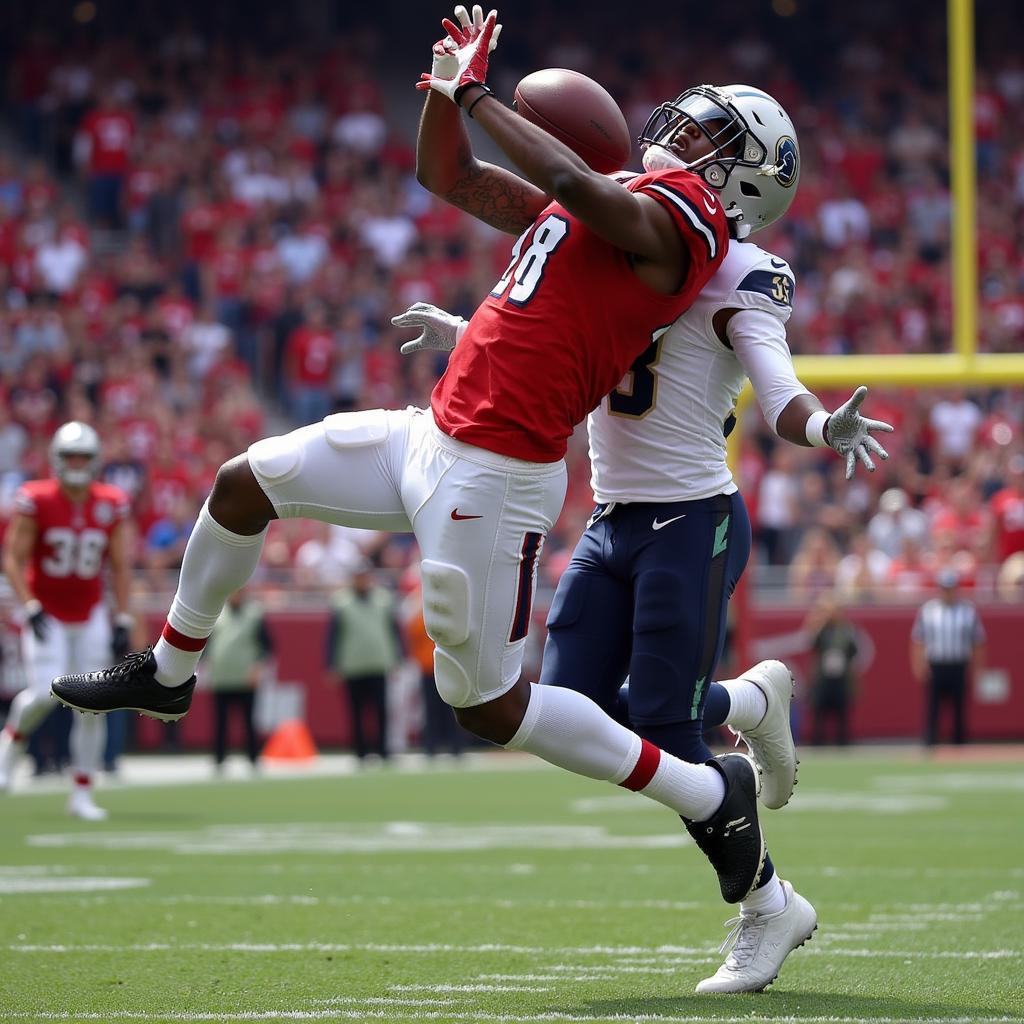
{"x": 500, "y": 891}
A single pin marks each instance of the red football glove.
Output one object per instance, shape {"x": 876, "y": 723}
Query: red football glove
{"x": 472, "y": 49}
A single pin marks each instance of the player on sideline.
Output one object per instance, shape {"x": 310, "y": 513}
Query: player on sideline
{"x": 647, "y": 589}
{"x": 64, "y": 530}
{"x": 480, "y": 478}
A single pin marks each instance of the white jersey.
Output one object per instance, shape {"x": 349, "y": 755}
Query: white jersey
{"x": 661, "y": 435}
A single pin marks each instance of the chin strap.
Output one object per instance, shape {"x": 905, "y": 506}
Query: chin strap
{"x": 740, "y": 229}
{"x": 658, "y": 158}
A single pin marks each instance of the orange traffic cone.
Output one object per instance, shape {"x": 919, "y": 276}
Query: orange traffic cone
{"x": 290, "y": 741}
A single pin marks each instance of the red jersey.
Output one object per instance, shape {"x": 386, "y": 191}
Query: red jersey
{"x": 110, "y": 132}
{"x": 311, "y": 351}
{"x": 1008, "y": 509}
{"x": 71, "y": 544}
{"x": 565, "y": 321}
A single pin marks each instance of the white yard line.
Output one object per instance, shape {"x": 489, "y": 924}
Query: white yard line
{"x": 34, "y": 885}
{"x": 296, "y": 900}
{"x": 483, "y": 1015}
{"x": 348, "y": 837}
{"x": 196, "y": 769}
{"x": 668, "y": 952}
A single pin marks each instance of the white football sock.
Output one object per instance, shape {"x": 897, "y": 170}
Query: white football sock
{"x": 748, "y": 703}
{"x": 769, "y": 899}
{"x": 88, "y": 734}
{"x": 217, "y": 562}
{"x": 571, "y": 731}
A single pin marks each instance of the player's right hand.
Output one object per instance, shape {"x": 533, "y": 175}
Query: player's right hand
{"x": 446, "y": 64}
{"x": 439, "y": 330}
{"x": 473, "y": 25}
{"x": 469, "y": 46}
{"x": 36, "y": 619}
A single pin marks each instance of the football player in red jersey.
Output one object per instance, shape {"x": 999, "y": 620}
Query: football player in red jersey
{"x": 64, "y": 531}
{"x": 599, "y": 269}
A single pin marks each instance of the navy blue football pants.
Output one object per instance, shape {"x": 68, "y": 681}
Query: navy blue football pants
{"x": 645, "y": 595}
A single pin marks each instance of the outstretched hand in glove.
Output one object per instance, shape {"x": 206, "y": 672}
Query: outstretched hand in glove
{"x": 849, "y": 433}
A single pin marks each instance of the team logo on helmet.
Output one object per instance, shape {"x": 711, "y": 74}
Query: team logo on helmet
{"x": 787, "y": 162}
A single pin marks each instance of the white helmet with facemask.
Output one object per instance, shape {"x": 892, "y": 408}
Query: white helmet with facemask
{"x": 75, "y": 438}
{"x": 755, "y": 164}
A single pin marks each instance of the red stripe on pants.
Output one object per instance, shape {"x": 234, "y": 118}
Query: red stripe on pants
{"x": 644, "y": 769}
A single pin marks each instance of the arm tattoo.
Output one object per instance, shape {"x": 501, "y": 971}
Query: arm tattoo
{"x": 498, "y": 198}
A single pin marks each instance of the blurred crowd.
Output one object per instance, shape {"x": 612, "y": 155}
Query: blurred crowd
{"x": 202, "y": 240}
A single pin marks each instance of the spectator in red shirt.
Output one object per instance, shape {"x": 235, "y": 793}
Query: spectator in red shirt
{"x": 105, "y": 144}
{"x": 961, "y": 514}
{"x": 909, "y": 574}
{"x": 1008, "y": 512}
{"x": 309, "y": 365}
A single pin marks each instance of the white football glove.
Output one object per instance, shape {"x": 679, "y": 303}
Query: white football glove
{"x": 446, "y": 64}
{"x": 469, "y": 45}
{"x": 439, "y": 330}
{"x": 848, "y": 433}
{"x": 473, "y": 26}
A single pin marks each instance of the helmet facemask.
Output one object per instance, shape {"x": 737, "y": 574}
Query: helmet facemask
{"x": 75, "y": 476}
{"x": 735, "y": 145}
{"x": 75, "y": 439}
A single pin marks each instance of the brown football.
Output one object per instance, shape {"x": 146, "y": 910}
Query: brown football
{"x": 578, "y": 112}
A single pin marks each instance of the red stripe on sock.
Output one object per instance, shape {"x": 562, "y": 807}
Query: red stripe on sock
{"x": 182, "y": 642}
{"x": 644, "y": 769}
{"x": 81, "y": 779}
{"x": 16, "y": 736}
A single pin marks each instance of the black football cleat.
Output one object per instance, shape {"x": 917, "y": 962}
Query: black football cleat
{"x": 130, "y": 685}
{"x": 731, "y": 839}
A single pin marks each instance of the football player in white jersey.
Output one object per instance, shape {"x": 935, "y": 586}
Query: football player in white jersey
{"x": 646, "y": 592}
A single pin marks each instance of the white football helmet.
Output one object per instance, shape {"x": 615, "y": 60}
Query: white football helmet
{"x": 755, "y": 165}
{"x": 75, "y": 438}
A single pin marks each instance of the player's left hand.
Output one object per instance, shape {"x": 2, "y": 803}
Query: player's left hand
{"x": 472, "y": 47}
{"x": 473, "y": 25}
{"x": 439, "y": 329}
{"x": 121, "y": 638}
{"x": 848, "y": 433}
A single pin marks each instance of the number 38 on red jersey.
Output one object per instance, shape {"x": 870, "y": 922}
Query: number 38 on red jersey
{"x": 71, "y": 544}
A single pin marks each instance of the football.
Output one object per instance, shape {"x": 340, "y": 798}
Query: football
{"x": 579, "y": 113}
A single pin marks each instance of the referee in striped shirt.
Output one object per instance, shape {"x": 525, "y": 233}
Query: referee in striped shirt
{"x": 947, "y": 638}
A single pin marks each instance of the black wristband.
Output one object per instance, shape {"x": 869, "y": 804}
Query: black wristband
{"x": 484, "y": 91}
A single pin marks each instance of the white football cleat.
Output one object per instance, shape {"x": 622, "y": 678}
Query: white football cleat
{"x": 81, "y": 805}
{"x": 761, "y": 943}
{"x": 771, "y": 741}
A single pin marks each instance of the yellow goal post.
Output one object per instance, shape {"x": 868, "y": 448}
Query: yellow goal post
{"x": 964, "y": 366}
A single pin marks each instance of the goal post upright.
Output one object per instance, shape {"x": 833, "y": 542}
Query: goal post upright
{"x": 963, "y": 366}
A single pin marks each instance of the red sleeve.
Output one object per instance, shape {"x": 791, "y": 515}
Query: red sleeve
{"x": 696, "y": 210}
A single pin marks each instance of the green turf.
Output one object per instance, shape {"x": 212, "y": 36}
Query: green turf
{"x": 363, "y": 898}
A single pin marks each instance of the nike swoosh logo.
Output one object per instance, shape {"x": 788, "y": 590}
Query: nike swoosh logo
{"x": 777, "y": 265}
{"x": 657, "y": 526}
{"x": 457, "y": 515}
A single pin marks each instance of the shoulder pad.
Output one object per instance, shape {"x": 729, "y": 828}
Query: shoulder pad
{"x": 775, "y": 283}
{"x": 695, "y": 208}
